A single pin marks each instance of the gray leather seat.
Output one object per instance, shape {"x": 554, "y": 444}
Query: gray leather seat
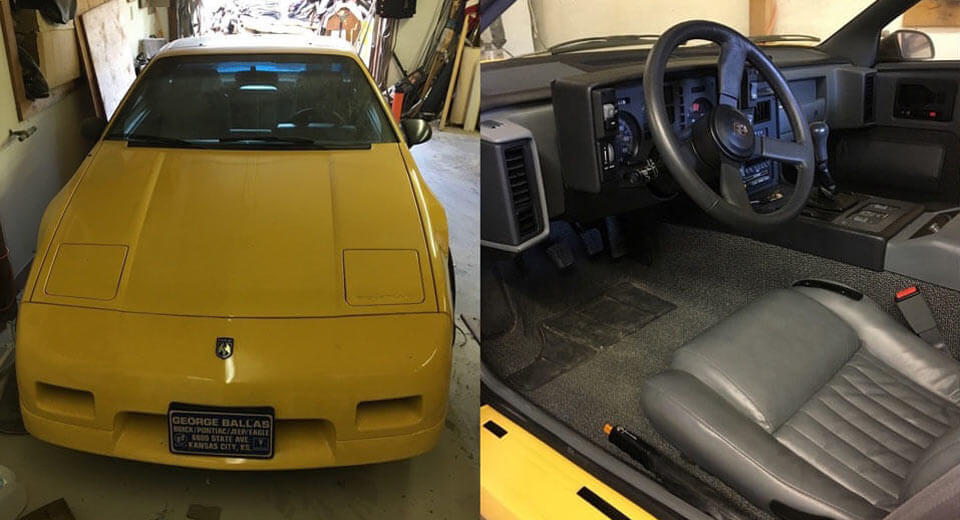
{"x": 813, "y": 399}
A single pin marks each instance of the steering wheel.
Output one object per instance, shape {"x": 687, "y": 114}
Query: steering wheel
{"x": 725, "y": 139}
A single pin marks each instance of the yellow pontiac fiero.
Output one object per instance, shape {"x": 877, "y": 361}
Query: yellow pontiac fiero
{"x": 246, "y": 272}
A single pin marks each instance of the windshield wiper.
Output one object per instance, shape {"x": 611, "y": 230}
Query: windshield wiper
{"x": 154, "y": 140}
{"x": 334, "y": 145}
{"x": 292, "y": 139}
{"x": 296, "y": 140}
{"x": 601, "y": 42}
{"x": 770, "y": 38}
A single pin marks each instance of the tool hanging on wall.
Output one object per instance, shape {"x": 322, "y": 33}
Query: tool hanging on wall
{"x": 469, "y": 21}
{"x": 386, "y": 19}
{"x": 411, "y": 82}
{"x": 425, "y": 87}
{"x": 439, "y": 63}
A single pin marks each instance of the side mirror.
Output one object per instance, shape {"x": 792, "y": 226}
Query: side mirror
{"x": 906, "y": 45}
{"x": 416, "y": 131}
{"x": 91, "y": 128}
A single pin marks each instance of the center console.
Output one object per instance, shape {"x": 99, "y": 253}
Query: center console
{"x": 850, "y": 227}
{"x": 928, "y": 249}
{"x": 857, "y": 236}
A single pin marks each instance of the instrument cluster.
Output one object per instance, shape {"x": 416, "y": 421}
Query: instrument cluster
{"x": 632, "y": 159}
{"x": 627, "y": 153}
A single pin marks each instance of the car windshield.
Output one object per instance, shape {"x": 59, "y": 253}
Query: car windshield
{"x": 253, "y": 101}
{"x": 637, "y": 24}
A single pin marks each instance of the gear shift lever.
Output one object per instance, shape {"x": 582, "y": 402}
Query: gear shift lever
{"x": 826, "y": 196}
{"x": 820, "y": 132}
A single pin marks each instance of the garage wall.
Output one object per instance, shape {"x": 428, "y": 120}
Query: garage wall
{"x": 563, "y": 20}
{"x": 516, "y": 26}
{"x": 33, "y": 171}
{"x": 820, "y": 18}
{"x": 144, "y": 23}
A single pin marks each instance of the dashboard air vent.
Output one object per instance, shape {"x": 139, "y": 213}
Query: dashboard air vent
{"x": 513, "y": 209}
{"x": 523, "y": 209}
{"x": 869, "y": 85}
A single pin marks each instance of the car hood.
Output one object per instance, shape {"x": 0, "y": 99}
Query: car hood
{"x": 241, "y": 233}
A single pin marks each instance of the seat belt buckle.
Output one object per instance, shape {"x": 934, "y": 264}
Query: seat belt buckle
{"x": 915, "y": 310}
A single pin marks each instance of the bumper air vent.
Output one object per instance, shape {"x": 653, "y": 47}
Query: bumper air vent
{"x": 67, "y": 403}
{"x": 389, "y": 414}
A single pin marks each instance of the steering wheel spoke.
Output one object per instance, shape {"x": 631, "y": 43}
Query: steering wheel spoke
{"x": 731, "y": 183}
{"x": 779, "y": 150}
{"x": 733, "y": 58}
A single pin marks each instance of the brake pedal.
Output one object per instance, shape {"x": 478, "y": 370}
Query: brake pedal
{"x": 592, "y": 241}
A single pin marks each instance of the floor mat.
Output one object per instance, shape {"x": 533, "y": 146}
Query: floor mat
{"x": 578, "y": 334}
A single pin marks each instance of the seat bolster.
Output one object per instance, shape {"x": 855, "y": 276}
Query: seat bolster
{"x": 894, "y": 344}
{"x": 706, "y": 428}
{"x": 939, "y": 458}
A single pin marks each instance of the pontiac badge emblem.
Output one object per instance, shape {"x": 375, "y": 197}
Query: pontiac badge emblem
{"x": 224, "y": 347}
{"x": 740, "y": 128}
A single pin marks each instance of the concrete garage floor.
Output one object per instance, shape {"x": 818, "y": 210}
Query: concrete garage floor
{"x": 444, "y": 483}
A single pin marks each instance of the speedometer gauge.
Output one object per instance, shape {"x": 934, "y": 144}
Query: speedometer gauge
{"x": 628, "y": 140}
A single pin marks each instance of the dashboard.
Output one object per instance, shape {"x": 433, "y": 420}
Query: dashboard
{"x": 580, "y": 143}
{"x": 620, "y": 153}
{"x": 587, "y": 117}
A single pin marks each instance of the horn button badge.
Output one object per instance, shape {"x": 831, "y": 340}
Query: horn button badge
{"x": 733, "y": 132}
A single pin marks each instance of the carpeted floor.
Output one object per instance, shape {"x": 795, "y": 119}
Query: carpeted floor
{"x": 706, "y": 275}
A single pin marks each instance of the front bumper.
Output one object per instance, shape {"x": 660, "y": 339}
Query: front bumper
{"x": 345, "y": 391}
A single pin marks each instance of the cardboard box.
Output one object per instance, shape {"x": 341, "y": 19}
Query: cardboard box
{"x": 931, "y": 13}
{"x": 30, "y": 20}
{"x": 57, "y": 54}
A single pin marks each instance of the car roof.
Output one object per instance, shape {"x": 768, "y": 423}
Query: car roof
{"x": 257, "y": 44}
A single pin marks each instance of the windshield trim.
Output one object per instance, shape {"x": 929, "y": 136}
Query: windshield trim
{"x": 251, "y": 144}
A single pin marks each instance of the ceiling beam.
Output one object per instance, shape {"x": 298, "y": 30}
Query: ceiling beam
{"x": 762, "y": 14}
